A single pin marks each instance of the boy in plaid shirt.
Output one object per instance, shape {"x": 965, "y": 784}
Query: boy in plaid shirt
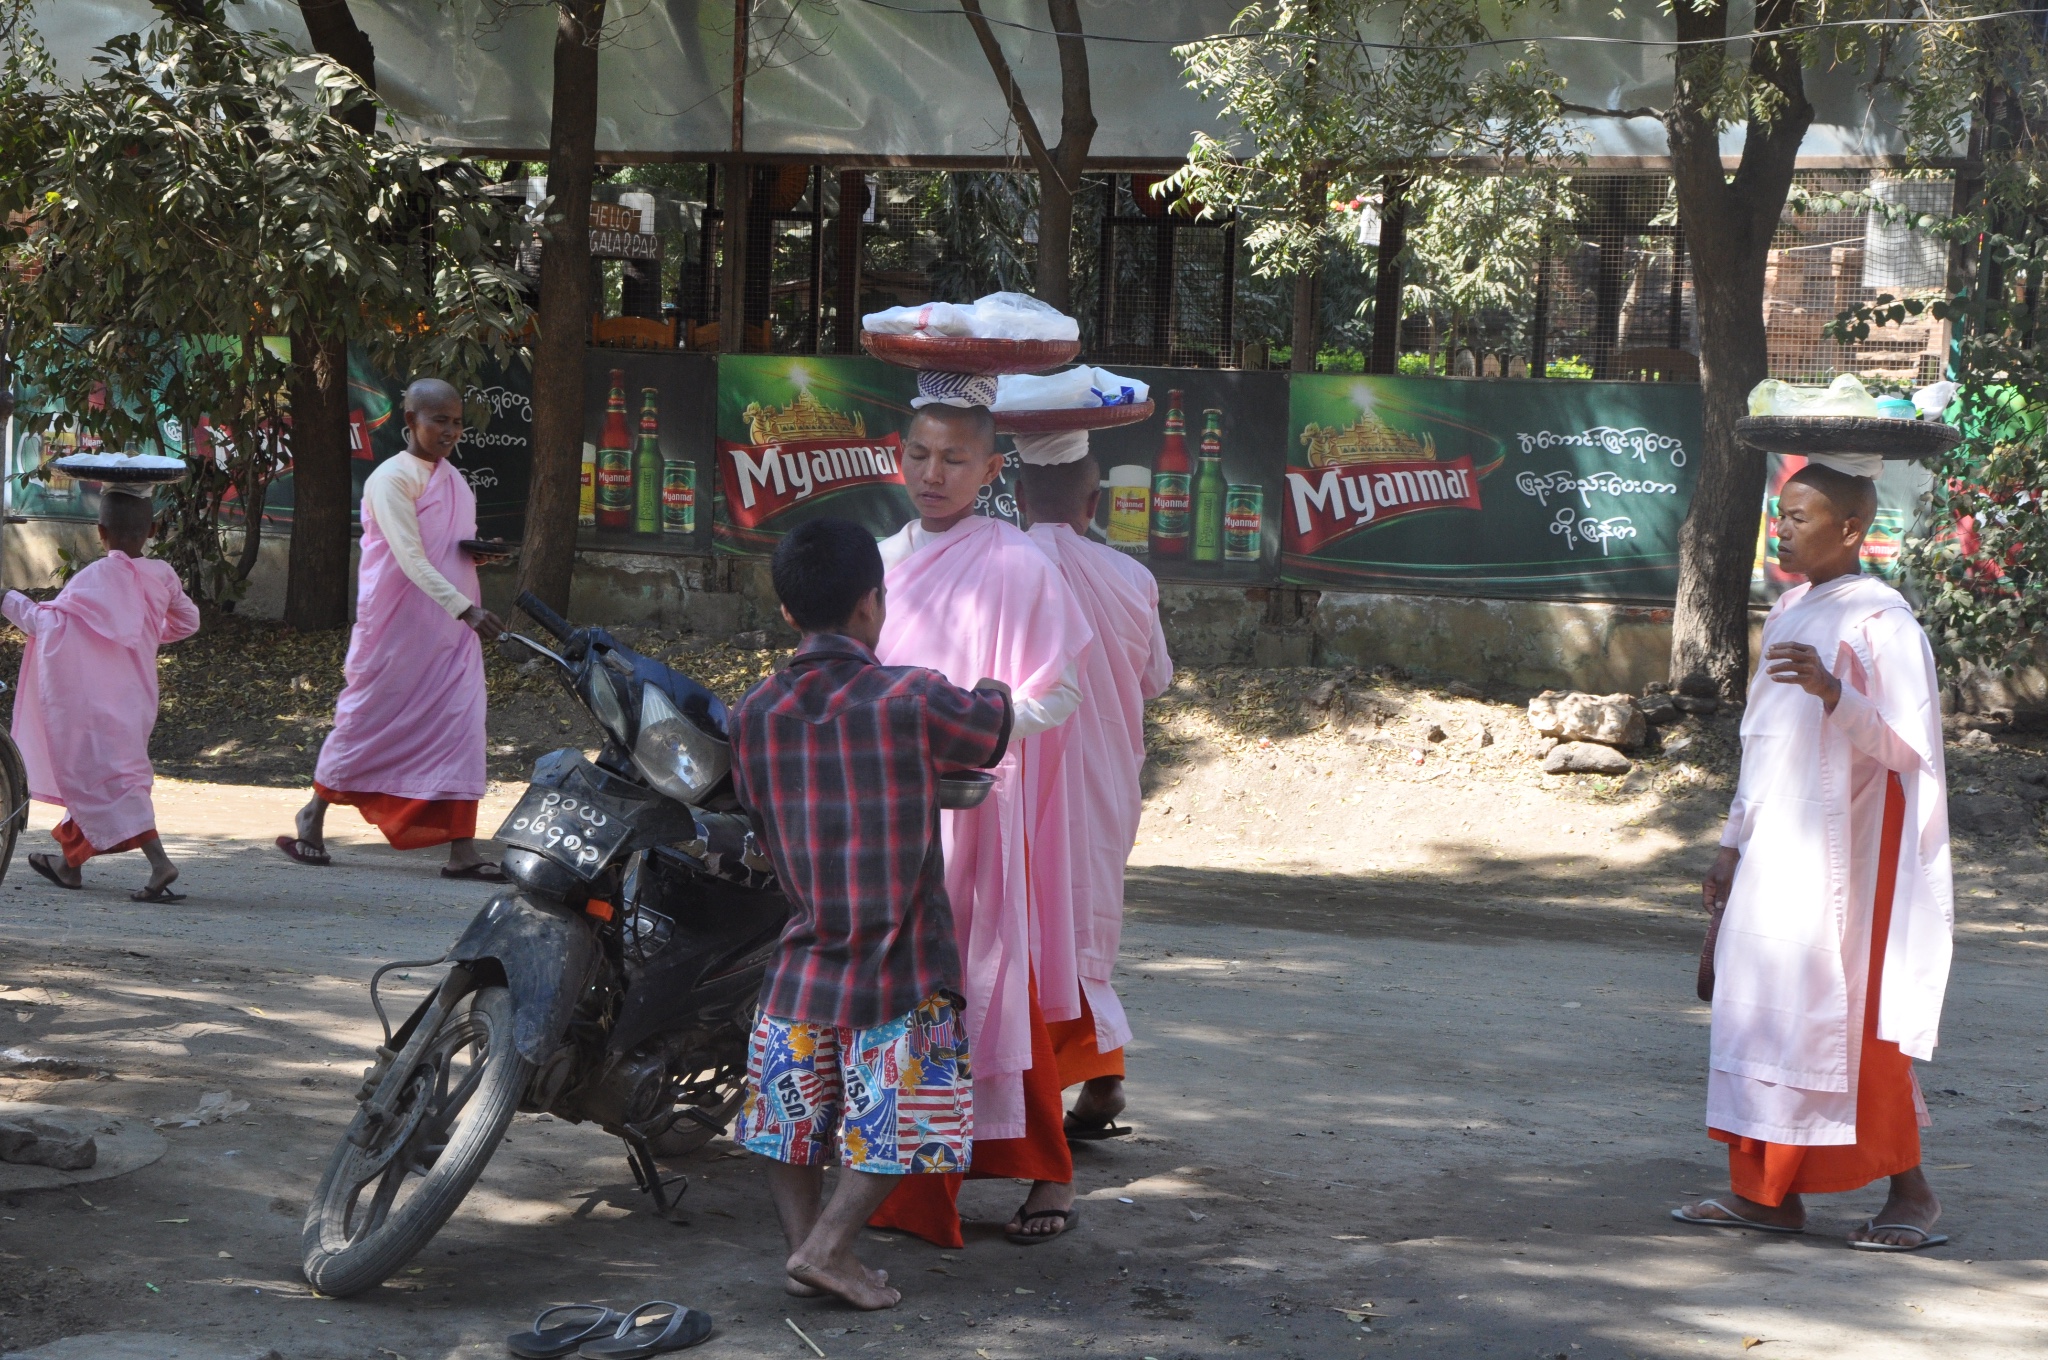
{"x": 859, "y": 1050}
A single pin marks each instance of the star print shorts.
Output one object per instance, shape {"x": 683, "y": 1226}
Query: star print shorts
{"x": 893, "y": 1098}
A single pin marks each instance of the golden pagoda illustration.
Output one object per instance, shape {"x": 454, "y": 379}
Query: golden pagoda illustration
{"x": 803, "y": 418}
{"x": 1366, "y": 440}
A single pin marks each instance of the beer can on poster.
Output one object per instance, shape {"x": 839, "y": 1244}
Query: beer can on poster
{"x": 1130, "y": 508}
{"x": 679, "y": 497}
{"x": 1244, "y": 527}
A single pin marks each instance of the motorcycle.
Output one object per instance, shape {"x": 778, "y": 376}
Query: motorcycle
{"x": 614, "y": 981}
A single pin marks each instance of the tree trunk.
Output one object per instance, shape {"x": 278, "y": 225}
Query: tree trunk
{"x": 548, "y": 556}
{"x": 336, "y": 36}
{"x": 1059, "y": 167}
{"x": 1386, "y": 285}
{"x": 1729, "y": 225}
{"x": 323, "y": 490}
{"x": 1302, "y": 359}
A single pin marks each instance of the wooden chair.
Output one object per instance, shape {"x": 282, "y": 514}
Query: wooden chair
{"x": 1656, "y": 365}
{"x": 632, "y": 332}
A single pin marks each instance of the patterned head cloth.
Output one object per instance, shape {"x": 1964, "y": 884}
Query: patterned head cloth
{"x": 1052, "y": 450}
{"x": 954, "y": 389}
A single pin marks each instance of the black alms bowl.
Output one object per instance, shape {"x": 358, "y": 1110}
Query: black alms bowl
{"x": 1848, "y": 434}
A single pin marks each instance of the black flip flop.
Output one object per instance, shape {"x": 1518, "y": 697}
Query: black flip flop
{"x": 677, "y": 1330}
{"x": 303, "y": 853}
{"x": 483, "y": 871}
{"x": 1067, "y": 1217}
{"x": 40, "y": 862}
{"x": 1080, "y": 1130}
{"x": 163, "y": 894}
{"x": 562, "y": 1339}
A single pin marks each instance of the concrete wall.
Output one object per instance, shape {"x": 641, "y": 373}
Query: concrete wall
{"x": 1511, "y": 644}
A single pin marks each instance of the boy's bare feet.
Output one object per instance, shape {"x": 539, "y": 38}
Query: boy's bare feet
{"x": 1733, "y": 1208}
{"x": 1912, "y": 1202}
{"x": 1044, "y": 1195}
{"x": 847, "y": 1278}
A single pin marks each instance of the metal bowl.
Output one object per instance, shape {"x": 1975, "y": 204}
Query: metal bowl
{"x": 964, "y": 789}
{"x": 1848, "y": 434}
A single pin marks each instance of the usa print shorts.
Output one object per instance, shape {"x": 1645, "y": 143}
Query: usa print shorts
{"x": 893, "y": 1098}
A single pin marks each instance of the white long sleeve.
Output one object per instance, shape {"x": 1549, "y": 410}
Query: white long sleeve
{"x": 389, "y": 496}
{"x": 1032, "y": 716}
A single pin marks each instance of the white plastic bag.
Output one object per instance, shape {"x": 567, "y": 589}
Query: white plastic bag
{"x": 999, "y": 316}
{"x": 1071, "y": 389}
{"x": 1845, "y": 396}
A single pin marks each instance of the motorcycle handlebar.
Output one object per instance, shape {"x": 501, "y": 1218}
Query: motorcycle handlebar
{"x": 544, "y": 616}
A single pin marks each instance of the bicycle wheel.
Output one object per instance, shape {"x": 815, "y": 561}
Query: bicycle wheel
{"x": 13, "y": 799}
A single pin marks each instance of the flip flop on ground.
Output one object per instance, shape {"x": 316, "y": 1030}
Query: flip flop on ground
{"x": 1067, "y": 1218}
{"x": 1734, "y": 1220}
{"x": 678, "y": 1328}
{"x": 161, "y": 893}
{"x": 483, "y": 871}
{"x": 305, "y": 852}
{"x": 582, "y": 1322}
{"x": 45, "y": 865}
{"x": 1927, "y": 1238}
{"x": 1079, "y": 1130}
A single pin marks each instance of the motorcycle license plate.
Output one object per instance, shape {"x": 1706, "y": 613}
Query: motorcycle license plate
{"x": 576, "y": 831}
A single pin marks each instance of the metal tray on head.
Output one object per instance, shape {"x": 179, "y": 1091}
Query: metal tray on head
{"x": 125, "y": 474}
{"x": 969, "y": 354}
{"x": 1906, "y": 439}
{"x": 1072, "y": 418}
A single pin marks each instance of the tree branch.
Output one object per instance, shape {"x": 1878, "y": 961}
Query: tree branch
{"x": 1645, "y": 112}
{"x": 1077, "y": 105}
{"x": 335, "y": 35}
{"x": 1020, "y": 112}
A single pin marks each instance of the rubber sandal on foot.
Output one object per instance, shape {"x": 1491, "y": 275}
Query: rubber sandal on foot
{"x": 677, "y": 1329}
{"x": 1927, "y": 1239}
{"x": 303, "y": 852}
{"x": 1067, "y": 1217}
{"x": 1078, "y": 1130}
{"x": 1734, "y": 1220}
{"x": 586, "y": 1322}
{"x": 40, "y": 862}
{"x": 163, "y": 894}
{"x": 483, "y": 871}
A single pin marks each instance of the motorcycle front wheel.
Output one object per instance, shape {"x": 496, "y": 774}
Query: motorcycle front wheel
{"x": 378, "y": 1205}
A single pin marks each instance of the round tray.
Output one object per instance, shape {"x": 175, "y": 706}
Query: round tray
{"x": 1848, "y": 434}
{"x": 1072, "y": 418}
{"x": 90, "y": 472}
{"x": 969, "y": 354}
{"x": 489, "y": 552}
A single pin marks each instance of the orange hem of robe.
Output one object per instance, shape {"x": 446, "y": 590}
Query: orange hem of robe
{"x": 77, "y": 849}
{"x": 409, "y": 823}
{"x": 1887, "y": 1120}
{"x": 1074, "y": 1051}
{"x": 927, "y": 1206}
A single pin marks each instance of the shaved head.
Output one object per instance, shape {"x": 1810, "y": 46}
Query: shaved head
{"x": 1062, "y": 494}
{"x": 430, "y": 392}
{"x": 125, "y": 520}
{"x": 974, "y": 422}
{"x": 1853, "y": 497}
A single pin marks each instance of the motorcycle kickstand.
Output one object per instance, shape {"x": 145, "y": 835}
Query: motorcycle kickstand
{"x": 647, "y": 1175}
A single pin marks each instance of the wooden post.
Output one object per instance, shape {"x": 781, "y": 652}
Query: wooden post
{"x": 732, "y": 307}
{"x": 1675, "y": 333}
{"x": 814, "y": 339}
{"x": 1539, "y": 325}
{"x": 1230, "y": 357}
{"x": 853, "y": 192}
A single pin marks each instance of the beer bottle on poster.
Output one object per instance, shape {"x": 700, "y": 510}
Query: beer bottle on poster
{"x": 615, "y": 462}
{"x": 1209, "y": 491}
{"x": 586, "y": 490}
{"x": 647, "y": 469}
{"x": 1170, "y": 487}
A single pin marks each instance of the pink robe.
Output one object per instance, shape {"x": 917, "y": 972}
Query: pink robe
{"x": 1126, "y": 665}
{"x": 88, "y": 696}
{"x": 984, "y": 602}
{"x": 410, "y": 721}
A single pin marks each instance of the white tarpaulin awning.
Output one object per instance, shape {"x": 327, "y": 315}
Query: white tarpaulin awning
{"x": 905, "y": 80}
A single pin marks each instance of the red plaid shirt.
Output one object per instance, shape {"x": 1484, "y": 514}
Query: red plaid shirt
{"x": 838, "y": 757}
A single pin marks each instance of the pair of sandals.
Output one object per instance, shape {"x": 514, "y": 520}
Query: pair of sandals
{"x": 46, "y": 865}
{"x": 1926, "y": 1238}
{"x": 594, "y": 1332}
{"x": 311, "y": 855}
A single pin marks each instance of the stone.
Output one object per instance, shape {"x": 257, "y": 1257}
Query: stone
{"x": 26, "y": 1140}
{"x": 1976, "y": 737}
{"x": 1460, "y": 690}
{"x": 1658, "y": 709}
{"x": 1677, "y": 744}
{"x": 1585, "y": 757}
{"x": 1656, "y": 687}
{"x": 1485, "y": 737}
{"x": 2037, "y": 775}
{"x": 1992, "y": 816}
{"x": 1323, "y": 695}
{"x": 1609, "y": 719}
{"x": 1437, "y": 733}
{"x": 1696, "y": 703}
{"x": 757, "y": 640}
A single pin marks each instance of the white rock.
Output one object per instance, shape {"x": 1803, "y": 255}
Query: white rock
{"x": 1610, "y": 719}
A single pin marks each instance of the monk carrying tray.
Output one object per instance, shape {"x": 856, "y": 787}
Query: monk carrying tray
{"x": 575, "y": 830}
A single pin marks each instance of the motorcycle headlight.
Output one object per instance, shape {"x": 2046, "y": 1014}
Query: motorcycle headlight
{"x": 673, "y": 753}
{"x": 604, "y": 702}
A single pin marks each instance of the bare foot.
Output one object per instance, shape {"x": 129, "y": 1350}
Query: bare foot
{"x": 852, "y": 1281}
{"x": 1101, "y": 1100}
{"x": 1912, "y": 1202}
{"x": 161, "y": 879}
{"x": 1733, "y": 1208}
{"x": 797, "y": 1289}
{"x": 311, "y": 829}
{"x": 55, "y": 867}
{"x": 1044, "y": 1195}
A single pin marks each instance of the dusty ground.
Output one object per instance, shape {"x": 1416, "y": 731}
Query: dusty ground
{"x": 1415, "y": 1038}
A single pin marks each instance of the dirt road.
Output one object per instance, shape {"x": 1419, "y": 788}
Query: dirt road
{"x": 1441, "y": 1066}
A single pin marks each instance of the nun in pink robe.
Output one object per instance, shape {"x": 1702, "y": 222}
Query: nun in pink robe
{"x": 87, "y": 701}
{"x": 1127, "y": 664}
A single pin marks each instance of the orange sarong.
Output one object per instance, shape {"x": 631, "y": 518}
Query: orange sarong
{"x": 1074, "y": 1051}
{"x": 410, "y": 823}
{"x": 927, "y": 1206}
{"x": 77, "y": 849}
{"x": 1887, "y": 1119}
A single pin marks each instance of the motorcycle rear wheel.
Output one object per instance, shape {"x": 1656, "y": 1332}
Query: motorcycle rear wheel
{"x": 13, "y": 800}
{"x": 378, "y": 1206}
